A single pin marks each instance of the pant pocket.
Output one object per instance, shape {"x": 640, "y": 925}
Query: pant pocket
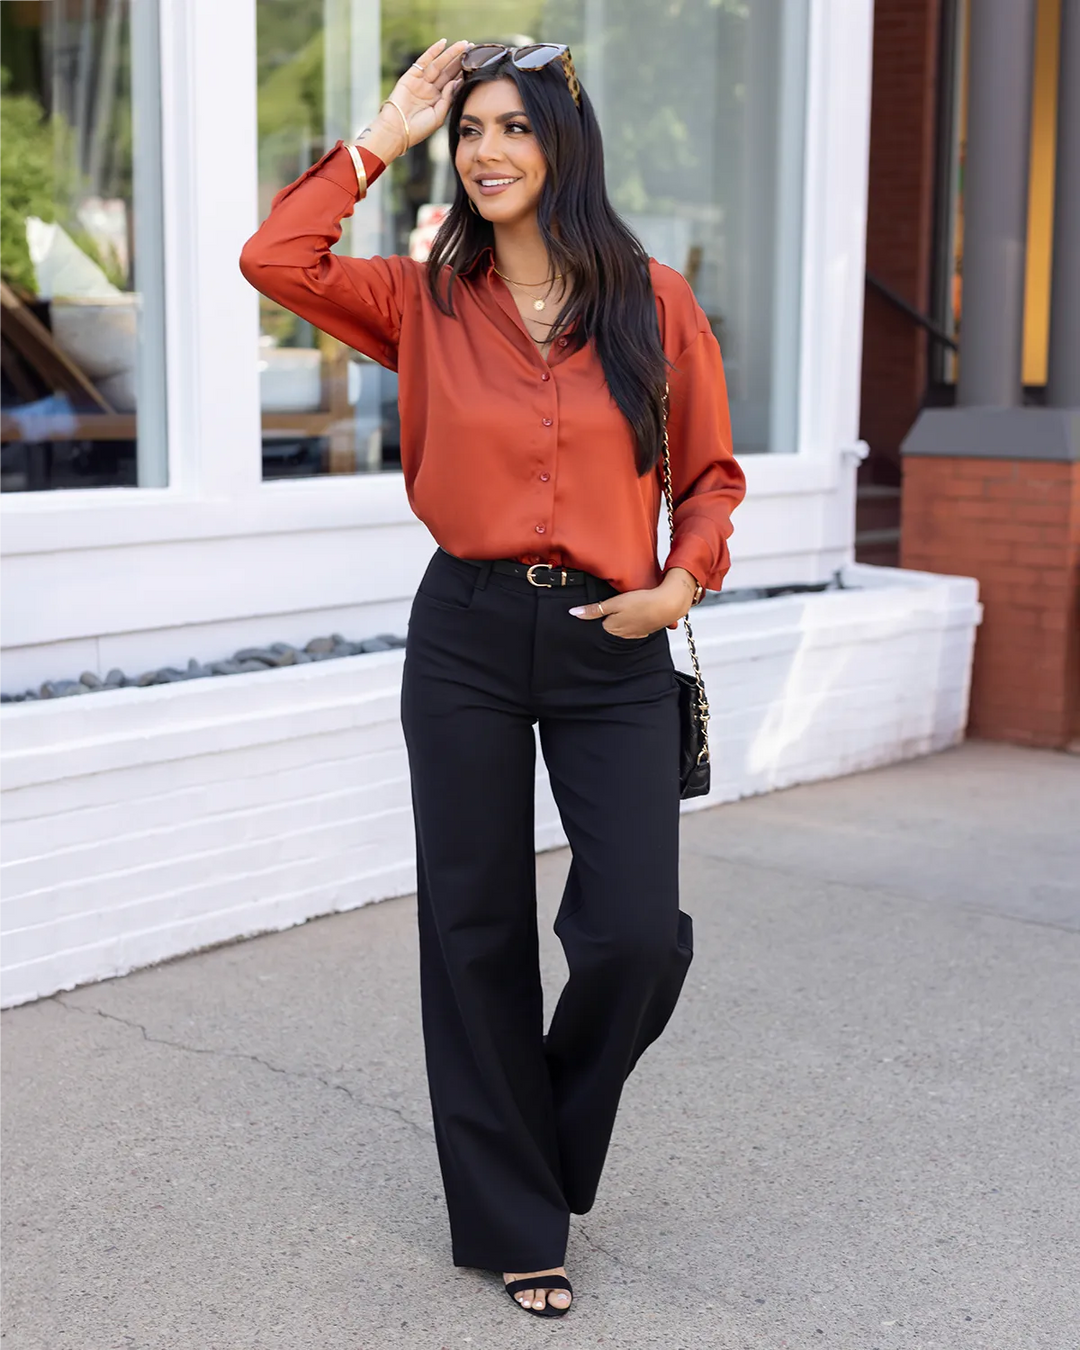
{"x": 448, "y": 583}
{"x": 620, "y": 643}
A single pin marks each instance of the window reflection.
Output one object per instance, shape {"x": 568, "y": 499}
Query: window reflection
{"x": 702, "y": 110}
{"x": 82, "y": 361}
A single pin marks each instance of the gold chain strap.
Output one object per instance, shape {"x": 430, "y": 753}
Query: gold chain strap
{"x": 703, "y": 702}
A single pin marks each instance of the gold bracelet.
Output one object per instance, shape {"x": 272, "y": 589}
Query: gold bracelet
{"x": 361, "y": 172}
{"x": 404, "y": 119}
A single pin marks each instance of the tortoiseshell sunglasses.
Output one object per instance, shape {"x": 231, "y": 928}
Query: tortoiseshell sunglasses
{"x": 533, "y": 57}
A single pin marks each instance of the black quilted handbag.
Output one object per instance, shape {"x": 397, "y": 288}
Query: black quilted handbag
{"x": 694, "y": 767}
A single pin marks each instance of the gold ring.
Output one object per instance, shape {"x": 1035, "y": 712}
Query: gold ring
{"x": 600, "y": 606}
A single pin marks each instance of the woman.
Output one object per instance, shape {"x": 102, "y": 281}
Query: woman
{"x": 533, "y": 351}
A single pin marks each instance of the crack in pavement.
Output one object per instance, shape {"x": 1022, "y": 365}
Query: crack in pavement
{"x": 251, "y": 1058}
{"x": 597, "y": 1247}
{"x": 672, "y": 1277}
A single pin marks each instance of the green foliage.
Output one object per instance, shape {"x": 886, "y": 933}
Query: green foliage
{"x": 27, "y": 186}
{"x": 413, "y": 27}
{"x": 291, "y": 93}
{"x": 289, "y": 70}
{"x": 290, "y": 52}
{"x": 105, "y": 258}
{"x": 672, "y": 74}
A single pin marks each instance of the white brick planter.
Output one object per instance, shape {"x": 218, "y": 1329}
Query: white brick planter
{"x": 143, "y": 823}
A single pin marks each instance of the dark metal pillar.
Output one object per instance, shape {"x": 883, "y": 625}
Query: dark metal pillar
{"x": 1063, "y": 380}
{"x": 1000, "y": 54}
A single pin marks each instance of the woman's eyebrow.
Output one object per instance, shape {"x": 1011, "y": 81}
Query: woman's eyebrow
{"x": 502, "y": 117}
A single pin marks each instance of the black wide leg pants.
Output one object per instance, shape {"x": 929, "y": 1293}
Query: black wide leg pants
{"x": 522, "y": 1122}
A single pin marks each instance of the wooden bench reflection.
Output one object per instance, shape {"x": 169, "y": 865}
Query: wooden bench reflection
{"x": 32, "y": 358}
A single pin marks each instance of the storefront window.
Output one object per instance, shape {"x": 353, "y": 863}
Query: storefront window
{"x": 83, "y": 401}
{"x": 949, "y": 260}
{"x": 702, "y": 109}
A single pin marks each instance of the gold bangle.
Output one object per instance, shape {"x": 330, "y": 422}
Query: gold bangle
{"x": 404, "y": 119}
{"x": 361, "y": 172}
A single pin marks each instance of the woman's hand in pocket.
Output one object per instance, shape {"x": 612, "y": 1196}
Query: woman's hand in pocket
{"x": 636, "y": 614}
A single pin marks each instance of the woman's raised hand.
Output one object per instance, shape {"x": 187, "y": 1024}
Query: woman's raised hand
{"x": 424, "y": 95}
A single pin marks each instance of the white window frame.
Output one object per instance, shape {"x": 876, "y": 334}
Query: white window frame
{"x": 210, "y": 188}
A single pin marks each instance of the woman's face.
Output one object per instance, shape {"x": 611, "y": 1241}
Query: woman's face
{"x": 497, "y": 143}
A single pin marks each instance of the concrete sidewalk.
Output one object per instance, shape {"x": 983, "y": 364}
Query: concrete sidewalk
{"x": 859, "y": 1131}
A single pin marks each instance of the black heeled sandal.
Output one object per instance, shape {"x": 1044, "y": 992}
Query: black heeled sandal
{"x": 547, "y": 1283}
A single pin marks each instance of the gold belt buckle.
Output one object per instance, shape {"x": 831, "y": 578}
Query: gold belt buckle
{"x": 548, "y": 584}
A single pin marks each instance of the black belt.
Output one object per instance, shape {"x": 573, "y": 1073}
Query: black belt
{"x": 539, "y": 574}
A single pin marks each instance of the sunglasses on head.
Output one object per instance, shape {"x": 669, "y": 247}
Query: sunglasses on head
{"x": 534, "y": 57}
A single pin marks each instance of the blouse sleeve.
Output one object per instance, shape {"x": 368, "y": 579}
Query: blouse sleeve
{"x": 288, "y": 259}
{"x": 707, "y": 482}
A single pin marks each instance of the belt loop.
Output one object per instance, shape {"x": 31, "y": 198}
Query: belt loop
{"x": 592, "y": 588}
{"x": 485, "y": 571}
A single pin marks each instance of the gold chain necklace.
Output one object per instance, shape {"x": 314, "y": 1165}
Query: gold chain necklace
{"x": 537, "y": 304}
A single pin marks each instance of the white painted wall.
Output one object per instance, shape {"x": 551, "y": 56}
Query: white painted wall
{"x": 144, "y": 823}
{"x": 143, "y": 577}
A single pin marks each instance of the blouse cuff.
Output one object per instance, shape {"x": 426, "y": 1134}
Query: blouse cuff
{"x": 694, "y": 555}
{"x": 338, "y": 167}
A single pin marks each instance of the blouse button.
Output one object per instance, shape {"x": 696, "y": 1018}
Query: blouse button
{"x": 547, "y": 421}
{"x": 544, "y": 477}
{"x": 546, "y": 375}
{"x": 540, "y": 529}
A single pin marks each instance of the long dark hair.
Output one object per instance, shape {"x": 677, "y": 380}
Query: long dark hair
{"x": 612, "y": 300}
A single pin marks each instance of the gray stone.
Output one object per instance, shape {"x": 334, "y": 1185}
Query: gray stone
{"x": 247, "y": 659}
{"x": 260, "y": 654}
{"x": 61, "y": 689}
{"x": 283, "y": 653}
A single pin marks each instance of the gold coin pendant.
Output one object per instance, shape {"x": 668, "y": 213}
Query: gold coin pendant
{"x": 538, "y": 304}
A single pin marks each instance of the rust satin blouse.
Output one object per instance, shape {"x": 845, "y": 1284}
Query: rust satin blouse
{"x": 507, "y": 454}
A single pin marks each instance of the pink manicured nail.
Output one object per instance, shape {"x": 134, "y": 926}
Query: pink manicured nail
{"x": 578, "y": 609}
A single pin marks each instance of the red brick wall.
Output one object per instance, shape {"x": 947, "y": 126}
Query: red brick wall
{"x": 899, "y": 236}
{"x": 1015, "y": 525}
